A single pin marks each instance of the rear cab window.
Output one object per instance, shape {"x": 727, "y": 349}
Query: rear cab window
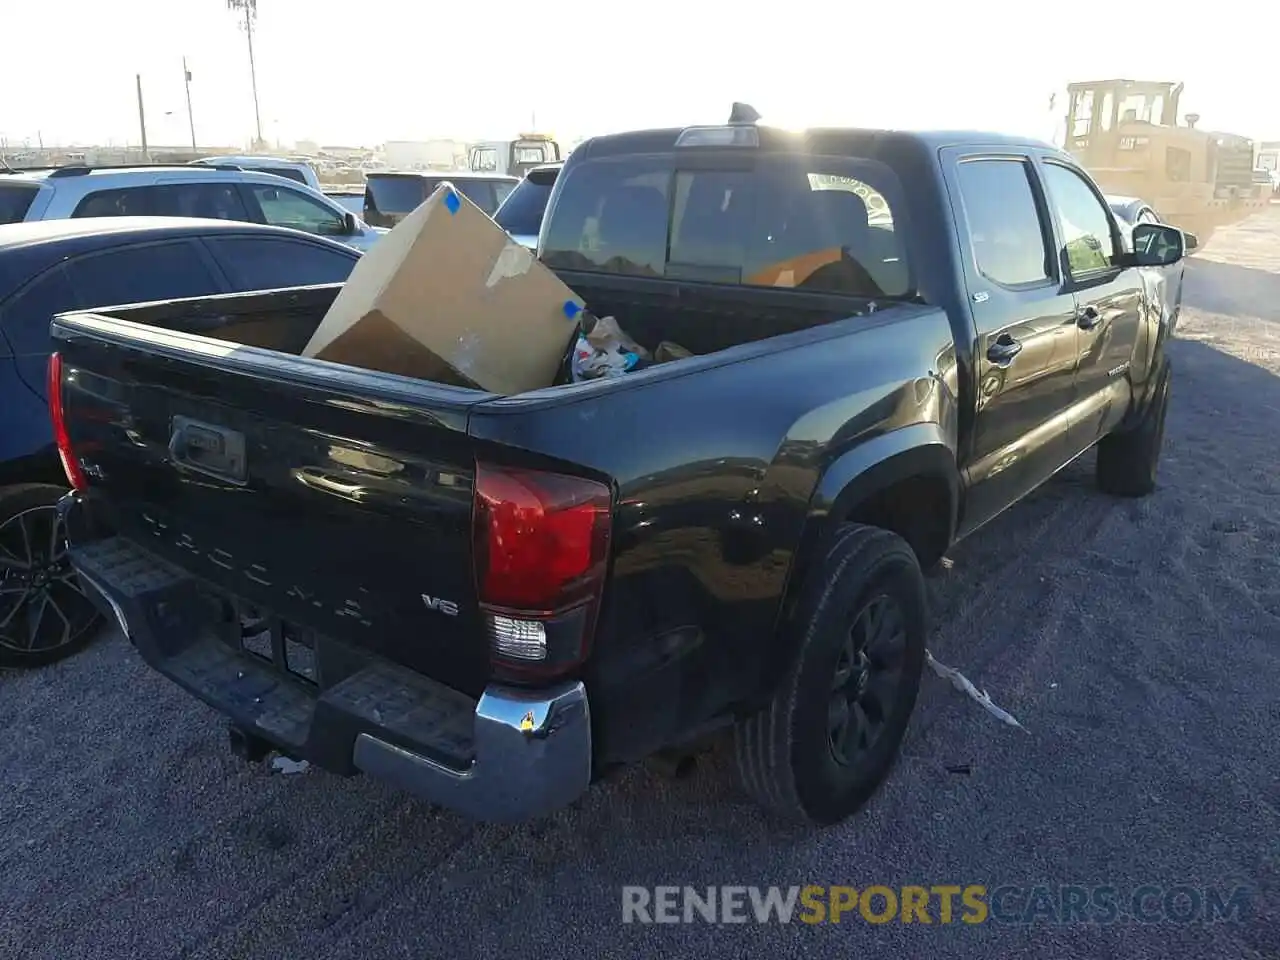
{"x": 394, "y": 195}
{"x": 15, "y": 200}
{"x": 820, "y": 224}
{"x": 521, "y": 213}
{"x": 479, "y": 192}
{"x": 501, "y": 190}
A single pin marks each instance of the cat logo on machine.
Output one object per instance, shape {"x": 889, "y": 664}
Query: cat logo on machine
{"x": 447, "y": 607}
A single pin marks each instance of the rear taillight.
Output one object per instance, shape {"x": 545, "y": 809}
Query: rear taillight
{"x": 541, "y": 548}
{"x": 57, "y": 411}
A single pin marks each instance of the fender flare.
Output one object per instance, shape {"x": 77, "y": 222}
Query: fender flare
{"x": 872, "y": 467}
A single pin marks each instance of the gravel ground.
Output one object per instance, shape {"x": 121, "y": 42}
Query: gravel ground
{"x": 1139, "y": 642}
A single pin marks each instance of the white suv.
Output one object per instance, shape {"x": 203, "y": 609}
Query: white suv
{"x": 219, "y": 193}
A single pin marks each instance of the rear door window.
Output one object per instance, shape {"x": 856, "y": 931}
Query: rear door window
{"x": 1005, "y": 229}
{"x": 141, "y": 273}
{"x": 127, "y": 202}
{"x": 213, "y": 201}
{"x": 15, "y": 201}
{"x": 267, "y": 263}
{"x": 818, "y": 224}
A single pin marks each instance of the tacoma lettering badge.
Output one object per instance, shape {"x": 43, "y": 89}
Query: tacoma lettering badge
{"x": 344, "y": 607}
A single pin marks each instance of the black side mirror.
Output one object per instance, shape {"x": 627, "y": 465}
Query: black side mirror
{"x": 349, "y": 225}
{"x": 1157, "y": 245}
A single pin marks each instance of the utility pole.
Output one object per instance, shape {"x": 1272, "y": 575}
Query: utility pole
{"x": 142, "y": 121}
{"x": 191, "y": 122}
{"x": 250, "y": 8}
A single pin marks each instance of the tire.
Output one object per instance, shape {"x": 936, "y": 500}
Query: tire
{"x": 1127, "y": 461}
{"x": 44, "y": 615}
{"x": 787, "y": 752}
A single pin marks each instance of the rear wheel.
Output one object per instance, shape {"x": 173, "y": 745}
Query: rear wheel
{"x": 821, "y": 747}
{"x": 44, "y": 614}
{"x": 1127, "y": 461}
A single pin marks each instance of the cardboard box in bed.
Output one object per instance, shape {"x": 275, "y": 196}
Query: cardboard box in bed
{"x": 448, "y": 296}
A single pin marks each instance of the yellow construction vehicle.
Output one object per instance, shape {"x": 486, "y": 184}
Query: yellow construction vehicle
{"x": 1126, "y": 134}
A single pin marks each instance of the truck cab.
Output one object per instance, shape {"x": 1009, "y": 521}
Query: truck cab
{"x": 513, "y": 158}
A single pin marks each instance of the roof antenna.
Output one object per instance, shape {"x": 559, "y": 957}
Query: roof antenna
{"x": 743, "y": 113}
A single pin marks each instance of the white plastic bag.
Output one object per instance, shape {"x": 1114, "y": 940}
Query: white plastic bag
{"x": 605, "y": 351}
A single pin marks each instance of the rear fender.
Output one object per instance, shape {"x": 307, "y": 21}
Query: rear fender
{"x": 27, "y": 453}
{"x": 39, "y": 465}
{"x": 918, "y": 452}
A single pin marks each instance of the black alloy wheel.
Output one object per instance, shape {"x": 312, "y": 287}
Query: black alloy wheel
{"x": 867, "y": 677}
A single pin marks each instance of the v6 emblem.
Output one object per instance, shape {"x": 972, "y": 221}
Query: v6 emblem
{"x": 447, "y": 607}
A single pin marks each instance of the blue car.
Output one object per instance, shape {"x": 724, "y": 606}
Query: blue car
{"x": 47, "y": 267}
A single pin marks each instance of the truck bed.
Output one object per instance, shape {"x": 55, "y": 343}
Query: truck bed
{"x": 650, "y": 312}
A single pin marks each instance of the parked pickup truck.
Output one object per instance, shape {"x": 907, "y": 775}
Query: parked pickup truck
{"x": 493, "y": 600}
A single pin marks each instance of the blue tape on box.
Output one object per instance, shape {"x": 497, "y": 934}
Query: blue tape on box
{"x": 572, "y": 309}
{"x": 452, "y": 202}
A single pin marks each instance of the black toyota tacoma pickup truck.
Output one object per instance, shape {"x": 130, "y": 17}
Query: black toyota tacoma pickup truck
{"x": 493, "y": 600}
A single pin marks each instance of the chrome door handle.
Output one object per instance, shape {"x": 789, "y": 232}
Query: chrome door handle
{"x": 1088, "y": 317}
{"x": 1003, "y": 350}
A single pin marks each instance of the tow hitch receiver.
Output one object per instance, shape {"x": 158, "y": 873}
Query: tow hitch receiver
{"x": 247, "y": 746}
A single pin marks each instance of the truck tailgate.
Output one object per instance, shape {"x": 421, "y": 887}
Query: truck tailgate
{"x": 243, "y": 467}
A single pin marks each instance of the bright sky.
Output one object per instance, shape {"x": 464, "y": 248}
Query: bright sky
{"x": 371, "y": 70}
